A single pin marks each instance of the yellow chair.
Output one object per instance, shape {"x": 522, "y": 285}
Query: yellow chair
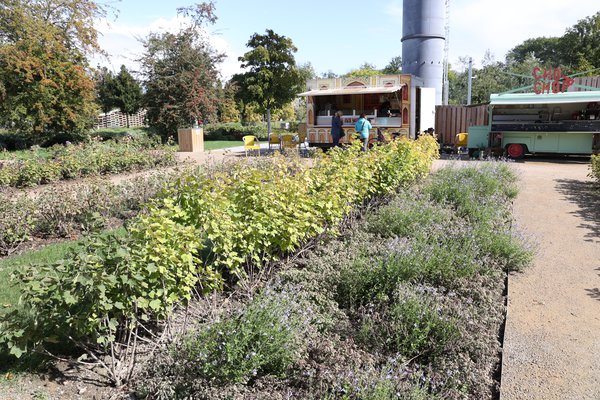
{"x": 274, "y": 140}
{"x": 251, "y": 143}
{"x": 461, "y": 139}
{"x": 287, "y": 142}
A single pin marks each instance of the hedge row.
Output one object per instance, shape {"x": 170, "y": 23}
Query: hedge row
{"x": 207, "y": 228}
{"x": 69, "y": 210}
{"x": 76, "y": 161}
{"x": 595, "y": 167}
{"x": 232, "y": 131}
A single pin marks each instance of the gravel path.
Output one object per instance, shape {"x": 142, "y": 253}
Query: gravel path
{"x": 552, "y": 337}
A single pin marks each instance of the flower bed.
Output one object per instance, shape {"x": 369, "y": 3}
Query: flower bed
{"x": 409, "y": 305}
{"x": 207, "y": 228}
{"x": 76, "y": 161}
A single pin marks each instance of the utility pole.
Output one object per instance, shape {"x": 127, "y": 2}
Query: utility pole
{"x": 469, "y": 82}
{"x": 446, "y": 84}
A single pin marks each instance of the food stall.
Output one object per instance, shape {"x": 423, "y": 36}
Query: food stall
{"x": 396, "y": 105}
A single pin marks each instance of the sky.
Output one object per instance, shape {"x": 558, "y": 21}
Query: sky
{"x": 339, "y": 36}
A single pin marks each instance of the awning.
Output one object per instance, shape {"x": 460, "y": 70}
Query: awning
{"x": 337, "y": 92}
{"x": 548, "y": 98}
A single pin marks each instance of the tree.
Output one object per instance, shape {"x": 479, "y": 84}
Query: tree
{"x": 47, "y": 90}
{"x": 228, "y": 109}
{"x": 127, "y": 93}
{"x": 329, "y": 75}
{"x": 364, "y": 70}
{"x": 272, "y": 78}
{"x": 105, "y": 89}
{"x": 394, "y": 66}
{"x": 181, "y": 77}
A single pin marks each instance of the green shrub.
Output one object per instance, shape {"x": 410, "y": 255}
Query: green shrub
{"x": 264, "y": 339}
{"x": 104, "y": 288}
{"x": 69, "y": 210}
{"x": 74, "y": 161}
{"x": 233, "y": 131}
{"x": 16, "y": 223}
{"x": 491, "y": 187}
{"x": 414, "y": 324}
{"x": 595, "y": 167}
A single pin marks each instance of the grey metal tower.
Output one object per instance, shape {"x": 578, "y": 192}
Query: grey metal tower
{"x": 423, "y": 40}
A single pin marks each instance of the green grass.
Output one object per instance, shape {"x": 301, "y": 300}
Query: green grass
{"x": 9, "y": 293}
{"x": 221, "y": 144}
{"x": 25, "y": 154}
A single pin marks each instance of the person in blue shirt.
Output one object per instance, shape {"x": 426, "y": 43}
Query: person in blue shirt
{"x": 363, "y": 126}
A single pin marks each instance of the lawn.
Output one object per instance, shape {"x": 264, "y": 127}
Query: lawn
{"x": 221, "y": 144}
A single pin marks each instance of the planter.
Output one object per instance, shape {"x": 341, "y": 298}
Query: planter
{"x": 190, "y": 139}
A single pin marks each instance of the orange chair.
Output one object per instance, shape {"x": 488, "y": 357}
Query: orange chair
{"x": 274, "y": 140}
{"x": 251, "y": 143}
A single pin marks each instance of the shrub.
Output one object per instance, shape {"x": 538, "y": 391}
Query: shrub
{"x": 595, "y": 167}
{"x": 414, "y": 324}
{"x": 491, "y": 188}
{"x": 233, "y": 131}
{"x": 263, "y": 339}
{"x": 87, "y": 159}
{"x": 16, "y": 223}
{"x": 64, "y": 211}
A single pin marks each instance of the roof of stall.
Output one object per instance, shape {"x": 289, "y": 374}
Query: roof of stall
{"x": 352, "y": 90}
{"x": 547, "y": 98}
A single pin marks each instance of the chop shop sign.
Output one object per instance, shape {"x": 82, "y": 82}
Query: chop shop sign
{"x": 550, "y": 80}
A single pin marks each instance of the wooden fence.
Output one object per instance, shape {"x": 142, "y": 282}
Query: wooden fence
{"x": 591, "y": 81}
{"x": 451, "y": 120}
{"x": 117, "y": 119}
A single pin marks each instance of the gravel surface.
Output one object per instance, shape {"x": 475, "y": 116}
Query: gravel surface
{"x": 552, "y": 337}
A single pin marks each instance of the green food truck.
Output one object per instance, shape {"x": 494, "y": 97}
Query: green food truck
{"x": 530, "y": 123}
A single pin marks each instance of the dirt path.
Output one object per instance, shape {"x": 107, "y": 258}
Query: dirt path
{"x": 552, "y": 337}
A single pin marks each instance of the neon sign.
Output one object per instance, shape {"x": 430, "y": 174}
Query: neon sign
{"x": 550, "y": 80}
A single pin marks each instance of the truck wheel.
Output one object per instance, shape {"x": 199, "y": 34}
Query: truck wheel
{"x": 515, "y": 151}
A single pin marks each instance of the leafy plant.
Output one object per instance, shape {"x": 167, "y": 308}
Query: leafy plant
{"x": 595, "y": 167}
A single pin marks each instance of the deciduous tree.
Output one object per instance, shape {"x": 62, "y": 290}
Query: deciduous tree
{"x": 271, "y": 79}
{"x": 181, "y": 77}
{"x": 47, "y": 90}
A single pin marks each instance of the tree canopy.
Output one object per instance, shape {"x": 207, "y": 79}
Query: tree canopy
{"x": 271, "y": 79}
{"x": 46, "y": 88}
{"x": 181, "y": 76}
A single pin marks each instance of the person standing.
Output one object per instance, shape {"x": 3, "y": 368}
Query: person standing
{"x": 363, "y": 127}
{"x": 337, "y": 132}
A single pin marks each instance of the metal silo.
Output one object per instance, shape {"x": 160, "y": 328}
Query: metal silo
{"x": 423, "y": 27}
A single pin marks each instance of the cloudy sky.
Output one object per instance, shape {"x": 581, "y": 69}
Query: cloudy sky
{"x": 341, "y": 35}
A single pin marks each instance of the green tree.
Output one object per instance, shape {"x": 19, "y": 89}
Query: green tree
{"x": 394, "y": 66}
{"x": 228, "y": 108}
{"x": 329, "y": 75}
{"x": 48, "y": 93}
{"x": 271, "y": 79}
{"x": 105, "y": 89}
{"x": 364, "y": 70}
{"x": 127, "y": 93}
{"x": 181, "y": 77}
